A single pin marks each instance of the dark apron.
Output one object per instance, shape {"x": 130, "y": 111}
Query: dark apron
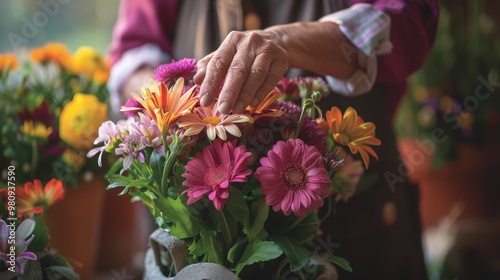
{"x": 379, "y": 228}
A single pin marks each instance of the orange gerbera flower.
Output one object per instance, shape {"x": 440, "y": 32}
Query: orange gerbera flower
{"x": 262, "y": 110}
{"x": 8, "y": 61}
{"x": 217, "y": 124}
{"x": 350, "y": 130}
{"x": 34, "y": 198}
{"x": 54, "y": 52}
{"x": 162, "y": 105}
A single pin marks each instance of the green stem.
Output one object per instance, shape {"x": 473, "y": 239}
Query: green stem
{"x": 170, "y": 159}
{"x": 295, "y": 223}
{"x": 229, "y": 239}
{"x": 330, "y": 203}
{"x": 34, "y": 157}
{"x": 301, "y": 119}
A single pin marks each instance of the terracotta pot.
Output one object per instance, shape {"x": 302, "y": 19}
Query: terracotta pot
{"x": 74, "y": 225}
{"x": 124, "y": 231}
{"x": 465, "y": 181}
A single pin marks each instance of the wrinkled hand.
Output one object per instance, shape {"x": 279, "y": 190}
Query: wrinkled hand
{"x": 242, "y": 71}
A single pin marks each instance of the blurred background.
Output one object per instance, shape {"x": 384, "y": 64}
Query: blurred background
{"x": 33, "y": 23}
{"x": 448, "y": 125}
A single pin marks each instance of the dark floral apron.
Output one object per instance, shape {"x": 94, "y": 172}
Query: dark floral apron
{"x": 378, "y": 230}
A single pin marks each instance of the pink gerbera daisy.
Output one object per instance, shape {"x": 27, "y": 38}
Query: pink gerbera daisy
{"x": 212, "y": 170}
{"x": 293, "y": 177}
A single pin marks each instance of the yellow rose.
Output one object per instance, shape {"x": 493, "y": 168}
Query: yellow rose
{"x": 80, "y": 120}
{"x": 87, "y": 61}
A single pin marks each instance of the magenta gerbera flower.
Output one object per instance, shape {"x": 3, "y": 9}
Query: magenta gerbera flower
{"x": 212, "y": 170}
{"x": 293, "y": 177}
{"x": 171, "y": 72}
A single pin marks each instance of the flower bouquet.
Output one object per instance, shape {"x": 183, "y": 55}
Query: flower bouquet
{"x": 48, "y": 126}
{"x": 239, "y": 190}
{"x": 24, "y": 244}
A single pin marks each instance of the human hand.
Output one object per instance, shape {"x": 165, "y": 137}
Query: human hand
{"x": 135, "y": 82}
{"x": 247, "y": 65}
{"x": 242, "y": 71}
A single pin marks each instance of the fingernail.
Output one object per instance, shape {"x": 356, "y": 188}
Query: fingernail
{"x": 224, "y": 107}
{"x": 239, "y": 107}
{"x": 206, "y": 99}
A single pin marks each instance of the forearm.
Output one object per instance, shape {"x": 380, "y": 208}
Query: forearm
{"x": 319, "y": 47}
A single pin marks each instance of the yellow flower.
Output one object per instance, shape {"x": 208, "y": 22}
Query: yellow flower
{"x": 80, "y": 120}
{"x": 36, "y": 130}
{"x": 350, "y": 130}
{"x": 74, "y": 159}
{"x": 8, "y": 61}
{"x": 162, "y": 105}
{"x": 52, "y": 52}
{"x": 87, "y": 61}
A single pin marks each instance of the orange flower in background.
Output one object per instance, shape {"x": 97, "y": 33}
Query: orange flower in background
{"x": 80, "y": 120}
{"x": 262, "y": 110}
{"x": 52, "y": 52}
{"x": 8, "y": 61}
{"x": 350, "y": 130}
{"x": 162, "y": 105}
{"x": 35, "y": 198}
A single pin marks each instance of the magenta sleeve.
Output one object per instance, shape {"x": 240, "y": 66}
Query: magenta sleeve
{"x": 141, "y": 22}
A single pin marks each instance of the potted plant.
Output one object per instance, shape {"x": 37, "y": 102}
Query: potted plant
{"x": 51, "y": 103}
{"x": 449, "y": 122}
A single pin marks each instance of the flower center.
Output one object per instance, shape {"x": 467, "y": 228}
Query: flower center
{"x": 294, "y": 176}
{"x": 213, "y": 120}
{"x": 216, "y": 175}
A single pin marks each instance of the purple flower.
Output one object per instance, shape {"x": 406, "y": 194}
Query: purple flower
{"x": 170, "y": 72}
{"x": 132, "y": 103}
{"x": 23, "y": 231}
{"x": 132, "y": 147}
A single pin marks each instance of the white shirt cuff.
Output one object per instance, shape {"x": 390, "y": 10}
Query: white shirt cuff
{"x": 368, "y": 30}
{"x": 131, "y": 60}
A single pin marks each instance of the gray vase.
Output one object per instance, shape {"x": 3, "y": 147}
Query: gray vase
{"x": 175, "y": 253}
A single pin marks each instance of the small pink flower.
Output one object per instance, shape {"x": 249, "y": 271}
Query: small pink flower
{"x": 133, "y": 103}
{"x": 293, "y": 177}
{"x": 170, "y": 72}
{"x": 212, "y": 170}
{"x": 107, "y": 134}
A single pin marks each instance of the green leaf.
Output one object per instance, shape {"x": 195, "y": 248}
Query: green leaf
{"x": 303, "y": 229}
{"x": 343, "y": 263}
{"x": 157, "y": 161}
{"x": 63, "y": 272}
{"x": 185, "y": 220}
{"x": 258, "y": 251}
{"x": 237, "y": 250}
{"x": 297, "y": 256}
{"x": 210, "y": 248}
{"x": 237, "y": 206}
{"x": 260, "y": 212}
{"x": 41, "y": 238}
{"x": 117, "y": 165}
{"x": 32, "y": 270}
